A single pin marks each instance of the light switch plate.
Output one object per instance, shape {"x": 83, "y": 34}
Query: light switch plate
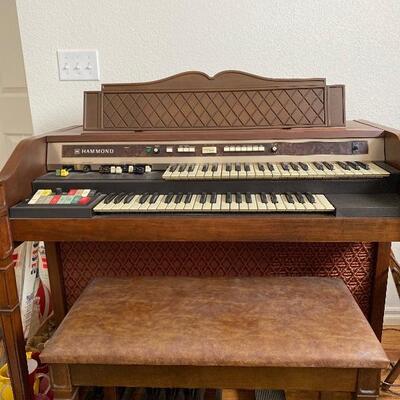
{"x": 78, "y": 65}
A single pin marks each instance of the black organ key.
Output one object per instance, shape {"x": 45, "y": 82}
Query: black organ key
{"x": 204, "y": 168}
{"x": 263, "y": 197}
{"x": 353, "y": 165}
{"x": 294, "y": 166}
{"x": 318, "y": 165}
{"x": 303, "y": 166}
{"x": 247, "y": 167}
{"x": 154, "y": 198}
{"x": 260, "y": 167}
{"x": 270, "y": 167}
{"x": 310, "y": 197}
{"x": 58, "y": 191}
{"x": 344, "y": 165}
{"x": 188, "y": 198}
{"x": 173, "y": 167}
{"x": 213, "y": 198}
{"x": 178, "y": 198}
{"x": 129, "y": 198}
{"x": 299, "y": 197}
{"x": 91, "y": 193}
{"x": 328, "y": 165}
{"x": 362, "y": 165}
{"x": 248, "y": 197}
{"x": 228, "y": 197}
{"x": 119, "y": 198}
{"x": 238, "y": 197}
{"x": 289, "y": 197}
{"x": 228, "y": 167}
{"x": 143, "y": 198}
{"x": 274, "y": 198}
{"x": 182, "y": 167}
{"x": 203, "y": 198}
{"x": 169, "y": 198}
{"x": 191, "y": 168}
{"x": 285, "y": 166}
{"x": 237, "y": 167}
{"x": 109, "y": 198}
{"x": 214, "y": 167}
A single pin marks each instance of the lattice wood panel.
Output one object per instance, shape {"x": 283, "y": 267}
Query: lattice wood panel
{"x": 352, "y": 262}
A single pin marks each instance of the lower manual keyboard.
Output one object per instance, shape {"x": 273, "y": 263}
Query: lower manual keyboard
{"x": 213, "y": 202}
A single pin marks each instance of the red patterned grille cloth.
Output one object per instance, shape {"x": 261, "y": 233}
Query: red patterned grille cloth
{"x": 353, "y": 262}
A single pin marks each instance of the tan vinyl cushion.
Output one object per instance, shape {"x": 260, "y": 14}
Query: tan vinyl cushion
{"x": 290, "y": 322}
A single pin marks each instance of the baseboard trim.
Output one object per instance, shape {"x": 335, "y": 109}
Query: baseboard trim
{"x": 392, "y": 316}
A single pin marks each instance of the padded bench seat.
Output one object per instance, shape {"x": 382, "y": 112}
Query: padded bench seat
{"x": 225, "y": 332}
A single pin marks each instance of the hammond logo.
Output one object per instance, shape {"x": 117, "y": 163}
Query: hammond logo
{"x": 93, "y": 151}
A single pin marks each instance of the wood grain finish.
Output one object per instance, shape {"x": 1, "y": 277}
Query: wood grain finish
{"x": 206, "y": 228}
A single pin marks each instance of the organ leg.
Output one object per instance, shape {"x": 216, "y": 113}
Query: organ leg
{"x": 11, "y": 324}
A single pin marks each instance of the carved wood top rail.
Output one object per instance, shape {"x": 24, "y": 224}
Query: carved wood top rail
{"x": 229, "y": 100}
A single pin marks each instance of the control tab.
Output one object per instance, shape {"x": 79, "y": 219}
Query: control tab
{"x": 209, "y": 149}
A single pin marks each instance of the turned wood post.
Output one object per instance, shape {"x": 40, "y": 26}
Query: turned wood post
{"x": 10, "y": 311}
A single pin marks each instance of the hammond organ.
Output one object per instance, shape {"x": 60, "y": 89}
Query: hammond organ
{"x": 233, "y": 175}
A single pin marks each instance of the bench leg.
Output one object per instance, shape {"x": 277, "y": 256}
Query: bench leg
{"x": 368, "y": 384}
{"x": 237, "y": 394}
{"x": 61, "y": 383}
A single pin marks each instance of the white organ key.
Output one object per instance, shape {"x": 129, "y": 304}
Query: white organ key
{"x": 224, "y": 173}
{"x": 343, "y": 171}
{"x": 154, "y": 206}
{"x": 183, "y": 171}
{"x": 207, "y": 206}
{"x": 318, "y": 171}
{"x": 189, "y": 206}
{"x": 253, "y": 205}
{"x": 127, "y": 205}
{"x": 161, "y": 204}
{"x": 259, "y": 172}
{"x": 134, "y": 205}
{"x": 242, "y": 173}
{"x": 252, "y": 173}
{"x": 299, "y": 206}
{"x": 377, "y": 170}
{"x": 197, "y": 206}
{"x": 218, "y": 173}
{"x": 311, "y": 173}
{"x": 234, "y": 204}
{"x": 280, "y": 205}
{"x": 269, "y": 174}
{"x": 171, "y": 205}
{"x": 308, "y": 205}
{"x": 144, "y": 206}
{"x": 292, "y": 171}
{"x": 289, "y": 206}
{"x": 261, "y": 206}
{"x": 176, "y": 173}
{"x": 210, "y": 173}
{"x": 302, "y": 173}
{"x": 270, "y": 205}
{"x": 217, "y": 205}
{"x": 167, "y": 174}
{"x": 243, "y": 206}
{"x": 181, "y": 205}
{"x": 192, "y": 171}
{"x": 224, "y": 205}
{"x": 200, "y": 171}
{"x": 325, "y": 202}
{"x": 282, "y": 172}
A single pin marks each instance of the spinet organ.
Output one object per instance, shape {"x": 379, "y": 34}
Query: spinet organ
{"x": 262, "y": 174}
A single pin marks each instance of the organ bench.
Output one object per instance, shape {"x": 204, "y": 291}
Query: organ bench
{"x": 308, "y": 194}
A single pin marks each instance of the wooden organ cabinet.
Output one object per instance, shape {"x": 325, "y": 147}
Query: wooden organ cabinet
{"x": 231, "y": 175}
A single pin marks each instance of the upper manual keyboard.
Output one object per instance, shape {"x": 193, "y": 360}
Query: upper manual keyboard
{"x": 280, "y": 170}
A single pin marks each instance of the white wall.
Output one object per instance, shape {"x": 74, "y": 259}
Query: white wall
{"x": 15, "y": 117}
{"x": 355, "y": 42}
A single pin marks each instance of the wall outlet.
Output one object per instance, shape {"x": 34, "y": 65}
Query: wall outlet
{"x": 78, "y": 65}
